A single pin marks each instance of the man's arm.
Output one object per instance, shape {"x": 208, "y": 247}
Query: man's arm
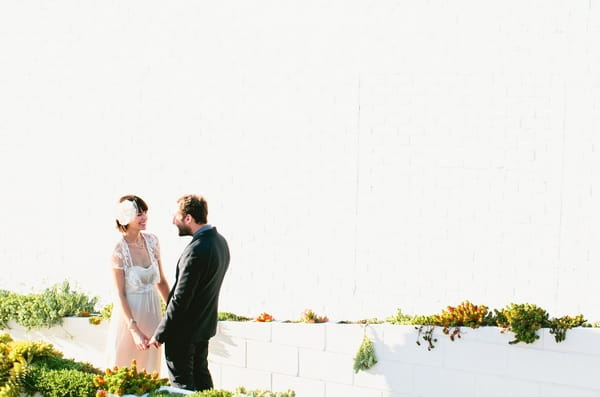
{"x": 191, "y": 272}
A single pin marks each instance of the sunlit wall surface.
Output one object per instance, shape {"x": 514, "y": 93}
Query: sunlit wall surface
{"x": 360, "y": 156}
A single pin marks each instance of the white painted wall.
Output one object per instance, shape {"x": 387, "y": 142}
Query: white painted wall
{"x": 360, "y": 156}
{"x": 316, "y": 360}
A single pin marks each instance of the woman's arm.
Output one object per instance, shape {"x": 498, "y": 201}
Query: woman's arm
{"x": 163, "y": 284}
{"x": 139, "y": 338}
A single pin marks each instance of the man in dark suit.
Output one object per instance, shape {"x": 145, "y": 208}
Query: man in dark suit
{"x": 192, "y": 308}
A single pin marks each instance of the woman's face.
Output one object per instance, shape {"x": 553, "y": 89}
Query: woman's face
{"x": 139, "y": 222}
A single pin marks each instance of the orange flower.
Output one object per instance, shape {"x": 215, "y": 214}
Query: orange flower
{"x": 264, "y": 318}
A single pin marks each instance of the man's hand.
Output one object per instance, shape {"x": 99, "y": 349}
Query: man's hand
{"x": 154, "y": 342}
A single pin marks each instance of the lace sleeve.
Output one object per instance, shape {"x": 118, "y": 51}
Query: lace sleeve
{"x": 153, "y": 245}
{"x": 117, "y": 258}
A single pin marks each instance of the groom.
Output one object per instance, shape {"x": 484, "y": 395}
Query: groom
{"x": 191, "y": 316}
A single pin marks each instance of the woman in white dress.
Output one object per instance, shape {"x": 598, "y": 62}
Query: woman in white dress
{"x": 140, "y": 284}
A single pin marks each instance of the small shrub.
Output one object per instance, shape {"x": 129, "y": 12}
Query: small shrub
{"x": 227, "y": 316}
{"x": 365, "y": 356}
{"x": 524, "y": 320}
{"x": 401, "y": 319}
{"x": 212, "y": 393}
{"x": 264, "y": 318}
{"x": 309, "y": 316}
{"x": 243, "y": 392}
{"x": 127, "y": 380}
{"x": 46, "y": 309}
{"x": 559, "y": 326}
{"x": 60, "y": 382}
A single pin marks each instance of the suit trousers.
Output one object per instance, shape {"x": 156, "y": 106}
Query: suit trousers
{"x": 187, "y": 363}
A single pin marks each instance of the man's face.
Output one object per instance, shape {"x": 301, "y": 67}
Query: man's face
{"x": 179, "y": 220}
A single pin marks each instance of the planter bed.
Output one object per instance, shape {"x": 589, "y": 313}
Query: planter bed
{"x": 316, "y": 360}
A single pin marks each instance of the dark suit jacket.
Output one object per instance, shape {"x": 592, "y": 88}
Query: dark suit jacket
{"x": 192, "y": 307}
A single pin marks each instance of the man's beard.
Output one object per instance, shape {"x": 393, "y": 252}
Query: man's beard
{"x": 184, "y": 230}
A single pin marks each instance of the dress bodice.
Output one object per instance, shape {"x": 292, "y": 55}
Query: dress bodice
{"x": 138, "y": 279}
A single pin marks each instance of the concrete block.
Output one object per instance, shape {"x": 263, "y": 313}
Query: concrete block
{"x": 502, "y": 386}
{"x": 223, "y": 349}
{"x": 487, "y": 335}
{"x": 302, "y": 387}
{"x": 336, "y": 389}
{"x": 272, "y": 357}
{"x": 396, "y": 394}
{"x": 299, "y": 334}
{"x": 399, "y": 344}
{"x": 475, "y": 356}
{"x": 551, "y": 390}
{"x": 387, "y": 375}
{"x": 215, "y": 373}
{"x": 569, "y": 369}
{"x": 246, "y": 329}
{"x": 343, "y": 338}
{"x": 233, "y": 377}
{"x": 577, "y": 340}
{"x": 321, "y": 365}
{"x": 434, "y": 381}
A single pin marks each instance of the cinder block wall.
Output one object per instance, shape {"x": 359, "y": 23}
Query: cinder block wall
{"x": 360, "y": 156}
{"x": 316, "y": 360}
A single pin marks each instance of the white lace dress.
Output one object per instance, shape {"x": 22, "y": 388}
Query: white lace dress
{"x": 145, "y": 303}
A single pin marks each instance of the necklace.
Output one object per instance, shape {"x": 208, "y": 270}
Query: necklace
{"x": 139, "y": 244}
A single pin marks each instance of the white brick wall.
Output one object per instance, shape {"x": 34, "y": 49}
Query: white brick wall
{"x": 359, "y": 156}
{"x": 480, "y": 363}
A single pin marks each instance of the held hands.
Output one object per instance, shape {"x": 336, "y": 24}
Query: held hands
{"x": 141, "y": 341}
{"x": 153, "y": 342}
{"x": 139, "y": 338}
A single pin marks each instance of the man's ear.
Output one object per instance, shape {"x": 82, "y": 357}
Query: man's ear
{"x": 188, "y": 218}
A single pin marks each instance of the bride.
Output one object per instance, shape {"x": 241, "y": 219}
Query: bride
{"x": 140, "y": 284}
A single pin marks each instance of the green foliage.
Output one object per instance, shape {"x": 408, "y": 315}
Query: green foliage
{"x": 14, "y": 380}
{"x": 407, "y": 319}
{"x": 595, "y": 324}
{"x": 45, "y": 309}
{"x": 401, "y": 319}
{"x": 106, "y": 311}
{"x": 465, "y": 314}
{"x": 60, "y": 382}
{"x": 212, "y": 393}
{"x": 559, "y": 326}
{"x": 365, "y": 356}
{"x": 31, "y": 350}
{"x": 425, "y": 332}
{"x": 243, "y": 392}
{"x": 524, "y": 320}
{"x": 35, "y": 366}
{"x": 309, "y": 316}
{"x": 164, "y": 393}
{"x": 227, "y": 316}
{"x": 363, "y": 321}
{"x": 127, "y": 380}
{"x": 6, "y": 309}
{"x": 56, "y": 362}
{"x": 12, "y": 369}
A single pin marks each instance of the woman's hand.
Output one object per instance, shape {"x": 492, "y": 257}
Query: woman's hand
{"x": 139, "y": 338}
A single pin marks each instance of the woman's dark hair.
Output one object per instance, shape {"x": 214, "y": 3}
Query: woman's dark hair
{"x": 139, "y": 203}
